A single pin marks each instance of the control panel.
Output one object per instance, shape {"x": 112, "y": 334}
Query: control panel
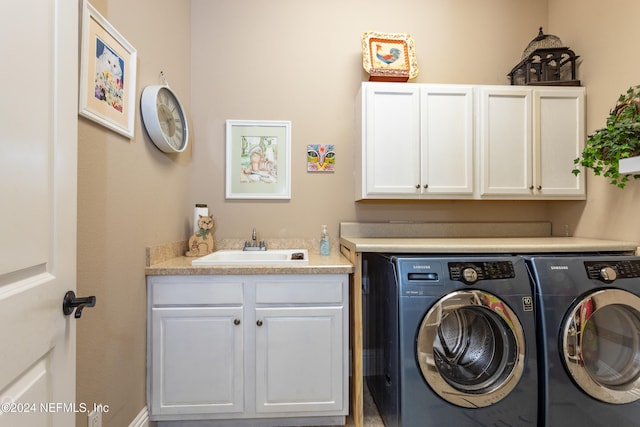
{"x": 608, "y": 271}
{"x": 471, "y": 272}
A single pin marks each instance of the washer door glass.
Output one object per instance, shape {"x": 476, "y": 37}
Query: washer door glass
{"x": 470, "y": 348}
{"x": 601, "y": 345}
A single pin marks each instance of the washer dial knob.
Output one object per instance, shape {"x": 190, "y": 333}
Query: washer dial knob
{"x": 469, "y": 275}
{"x": 608, "y": 274}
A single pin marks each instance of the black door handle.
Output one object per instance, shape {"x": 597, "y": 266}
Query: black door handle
{"x": 70, "y": 303}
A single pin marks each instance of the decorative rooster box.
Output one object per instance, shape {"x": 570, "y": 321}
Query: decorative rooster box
{"x": 201, "y": 242}
{"x": 389, "y": 57}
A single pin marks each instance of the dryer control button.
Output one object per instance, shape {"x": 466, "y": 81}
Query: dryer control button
{"x": 608, "y": 274}
{"x": 469, "y": 275}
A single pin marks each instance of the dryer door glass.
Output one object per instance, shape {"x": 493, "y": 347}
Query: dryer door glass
{"x": 601, "y": 345}
{"x": 470, "y": 348}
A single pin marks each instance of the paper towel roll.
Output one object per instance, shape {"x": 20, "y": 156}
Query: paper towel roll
{"x": 200, "y": 209}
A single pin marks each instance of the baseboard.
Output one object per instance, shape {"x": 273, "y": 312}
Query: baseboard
{"x": 142, "y": 419}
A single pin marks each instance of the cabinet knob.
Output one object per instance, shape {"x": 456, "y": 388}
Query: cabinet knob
{"x": 426, "y": 186}
{"x": 236, "y": 321}
{"x": 539, "y": 187}
{"x": 531, "y": 187}
{"x": 259, "y": 323}
{"x": 418, "y": 186}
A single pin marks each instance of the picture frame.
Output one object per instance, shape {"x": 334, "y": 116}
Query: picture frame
{"x": 321, "y": 158}
{"x": 258, "y": 159}
{"x": 107, "y": 74}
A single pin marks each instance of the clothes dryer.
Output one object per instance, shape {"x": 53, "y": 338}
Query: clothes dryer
{"x": 589, "y": 342}
{"x": 453, "y": 340}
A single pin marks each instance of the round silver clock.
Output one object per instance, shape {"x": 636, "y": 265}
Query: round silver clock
{"x": 164, "y": 118}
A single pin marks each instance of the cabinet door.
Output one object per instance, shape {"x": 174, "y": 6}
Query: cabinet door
{"x": 391, "y": 140}
{"x": 196, "y": 360}
{"x": 505, "y": 141}
{"x": 300, "y": 360}
{"x": 447, "y": 139}
{"x": 559, "y": 134}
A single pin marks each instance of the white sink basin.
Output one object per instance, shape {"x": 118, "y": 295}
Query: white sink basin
{"x": 268, "y": 257}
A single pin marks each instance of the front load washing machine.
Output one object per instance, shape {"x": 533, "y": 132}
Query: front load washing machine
{"x": 589, "y": 343}
{"x": 450, "y": 340}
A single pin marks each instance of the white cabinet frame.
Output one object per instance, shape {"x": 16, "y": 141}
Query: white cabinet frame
{"x": 255, "y": 348}
{"x": 431, "y": 141}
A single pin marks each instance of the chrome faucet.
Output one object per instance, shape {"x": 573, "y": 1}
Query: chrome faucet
{"x": 254, "y": 245}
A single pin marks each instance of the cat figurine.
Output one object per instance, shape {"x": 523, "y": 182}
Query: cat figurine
{"x": 201, "y": 242}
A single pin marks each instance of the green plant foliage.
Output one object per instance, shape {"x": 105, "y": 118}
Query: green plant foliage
{"x": 618, "y": 140}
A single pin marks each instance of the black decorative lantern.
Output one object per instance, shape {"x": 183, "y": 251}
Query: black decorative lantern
{"x": 546, "y": 62}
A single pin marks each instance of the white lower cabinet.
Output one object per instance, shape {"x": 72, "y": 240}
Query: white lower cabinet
{"x": 302, "y": 377}
{"x": 248, "y": 348}
{"x": 197, "y": 361}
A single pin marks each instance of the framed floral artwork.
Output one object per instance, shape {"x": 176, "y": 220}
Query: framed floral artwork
{"x": 258, "y": 159}
{"x": 107, "y": 74}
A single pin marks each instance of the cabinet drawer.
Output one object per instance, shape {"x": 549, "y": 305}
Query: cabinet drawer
{"x": 302, "y": 291}
{"x": 201, "y": 292}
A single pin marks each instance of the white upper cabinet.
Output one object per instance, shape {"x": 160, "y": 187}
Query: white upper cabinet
{"x": 390, "y": 140}
{"x": 505, "y": 141}
{"x": 425, "y": 141}
{"x": 446, "y": 114}
{"x": 559, "y": 135}
{"x": 528, "y": 139}
{"x": 416, "y": 141}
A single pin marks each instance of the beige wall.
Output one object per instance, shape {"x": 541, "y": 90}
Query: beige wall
{"x": 603, "y": 34}
{"x": 130, "y": 195}
{"x": 301, "y": 61}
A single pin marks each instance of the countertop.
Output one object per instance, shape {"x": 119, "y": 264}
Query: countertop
{"x": 335, "y": 263}
{"x": 514, "y": 245}
{"x": 168, "y": 259}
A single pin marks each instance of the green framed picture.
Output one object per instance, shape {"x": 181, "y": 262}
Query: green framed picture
{"x": 258, "y": 159}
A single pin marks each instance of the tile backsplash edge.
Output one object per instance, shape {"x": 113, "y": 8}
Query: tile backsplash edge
{"x": 444, "y": 229}
{"x": 163, "y": 252}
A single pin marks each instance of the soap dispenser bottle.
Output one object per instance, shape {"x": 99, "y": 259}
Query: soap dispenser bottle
{"x": 325, "y": 246}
